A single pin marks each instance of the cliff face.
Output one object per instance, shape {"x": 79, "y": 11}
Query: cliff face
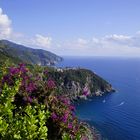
{"x": 80, "y": 83}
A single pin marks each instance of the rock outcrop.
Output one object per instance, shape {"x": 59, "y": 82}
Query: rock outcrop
{"x": 80, "y": 83}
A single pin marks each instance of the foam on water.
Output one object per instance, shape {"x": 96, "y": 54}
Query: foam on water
{"x": 122, "y": 103}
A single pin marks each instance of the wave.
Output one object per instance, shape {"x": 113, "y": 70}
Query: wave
{"x": 104, "y": 101}
{"x": 122, "y": 103}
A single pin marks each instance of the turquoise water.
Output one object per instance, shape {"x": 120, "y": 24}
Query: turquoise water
{"x": 117, "y": 115}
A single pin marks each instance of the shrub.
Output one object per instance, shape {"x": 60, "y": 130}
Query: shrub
{"x": 31, "y": 109}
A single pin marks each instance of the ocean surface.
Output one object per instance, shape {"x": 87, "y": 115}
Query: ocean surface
{"x": 116, "y": 115}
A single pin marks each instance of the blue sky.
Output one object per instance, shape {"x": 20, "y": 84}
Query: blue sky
{"x": 67, "y": 27}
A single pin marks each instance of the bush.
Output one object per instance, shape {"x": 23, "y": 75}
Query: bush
{"x": 31, "y": 109}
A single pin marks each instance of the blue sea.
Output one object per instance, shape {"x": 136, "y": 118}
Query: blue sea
{"x": 116, "y": 115}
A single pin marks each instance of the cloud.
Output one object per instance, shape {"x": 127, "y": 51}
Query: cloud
{"x": 5, "y": 25}
{"x": 109, "y": 45}
{"x": 82, "y": 41}
{"x": 41, "y": 41}
{"x": 115, "y": 37}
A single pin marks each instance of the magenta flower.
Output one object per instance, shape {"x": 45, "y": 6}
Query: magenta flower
{"x": 70, "y": 125}
{"x": 31, "y": 87}
{"x": 46, "y": 72}
{"x": 85, "y": 91}
{"x": 14, "y": 71}
{"x": 21, "y": 65}
{"x": 50, "y": 84}
{"x": 22, "y": 68}
{"x": 5, "y": 78}
{"x": 65, "y": 117}
{"x": 72, "y": 108}
{"x": 54, "y": 116}
{"x": 64, "y": 99}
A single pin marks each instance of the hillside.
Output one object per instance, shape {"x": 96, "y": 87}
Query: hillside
{"x": 18, "y": 53}
{"x": 79, "y": 82}
{"x": 71, "y": 81}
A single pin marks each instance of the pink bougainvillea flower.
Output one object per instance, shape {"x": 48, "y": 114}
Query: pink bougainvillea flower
{"x": 46, "y": 72}
{"x": 54, "y": 116}
{"x": 51, "y": 84}
{"x": 85, "y": 91}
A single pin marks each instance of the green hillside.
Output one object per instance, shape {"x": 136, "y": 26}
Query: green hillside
{"x": 18, "y": 53}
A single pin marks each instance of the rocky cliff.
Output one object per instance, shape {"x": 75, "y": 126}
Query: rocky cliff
{"x": 80, "y": 83}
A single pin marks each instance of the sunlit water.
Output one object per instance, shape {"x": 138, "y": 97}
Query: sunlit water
{"x": 117, "y": 115}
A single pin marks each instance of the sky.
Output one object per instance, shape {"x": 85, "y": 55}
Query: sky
{"x": 74, "y": 27}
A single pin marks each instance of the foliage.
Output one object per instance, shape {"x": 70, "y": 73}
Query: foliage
{"x": 21, "y": 54}
{"x": 31, "y": 108}
{"x": 79, "y": 78}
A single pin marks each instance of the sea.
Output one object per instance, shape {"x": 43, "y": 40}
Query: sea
{"x": 117, "y": 115}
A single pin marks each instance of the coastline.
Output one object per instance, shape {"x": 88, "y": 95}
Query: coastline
{"x": 91, "y": 132}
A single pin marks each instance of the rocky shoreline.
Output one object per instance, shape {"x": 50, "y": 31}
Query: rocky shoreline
{"x": 98, "y": 93}
{"x": 91, "y": 132}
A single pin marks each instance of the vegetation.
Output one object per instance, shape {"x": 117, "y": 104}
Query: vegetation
{"x": 74, "y": 81}
{"x": 31, "y": 107}
{"x": 35, "y": 101}
{"x": 70, "y": 81}
{"x": 18, "y": 53}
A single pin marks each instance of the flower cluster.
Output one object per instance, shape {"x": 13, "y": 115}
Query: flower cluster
{"x": 28, "y": 83}
{"x": 64, "y": 116}
{"x": 37, "y": 90}
{"x": 50, "y": 84}
{"x": 85, "y": 91}
{"x": 54, "y": 116}
{"x": 15, "y": 73}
